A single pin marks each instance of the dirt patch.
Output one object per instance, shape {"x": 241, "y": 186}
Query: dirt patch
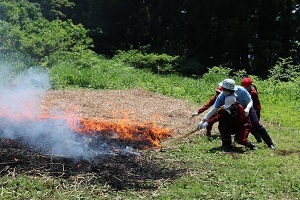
{"x": 137, "y": 104}
{"x": 119, "y": 171}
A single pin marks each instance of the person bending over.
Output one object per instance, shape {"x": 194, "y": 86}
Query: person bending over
{"x": 232, "y": 121}
{"x": 244, "y": 98}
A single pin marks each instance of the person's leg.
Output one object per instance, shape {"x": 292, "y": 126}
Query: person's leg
{"x": 255, "y": 123}
{"x": 241, "y": 137}
{"x": 225, "y": 135}
{"x": 260, "y": 130}
{"x": 256, "y": 136}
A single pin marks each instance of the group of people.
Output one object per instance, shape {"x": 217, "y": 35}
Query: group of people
{"x": 237, "y": 109}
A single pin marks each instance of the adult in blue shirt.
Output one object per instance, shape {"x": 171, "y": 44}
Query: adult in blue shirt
{"x": 244, "y": 98}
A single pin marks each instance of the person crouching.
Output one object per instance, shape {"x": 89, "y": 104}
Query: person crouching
{"x": 232, "y": 121}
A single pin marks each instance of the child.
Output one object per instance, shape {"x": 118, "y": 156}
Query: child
{"x": 247, "y": 84}
{"x": 232, "y": 121}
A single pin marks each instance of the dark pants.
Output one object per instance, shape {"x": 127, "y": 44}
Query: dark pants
{"x": 259, "y": 129}
{"x": 227, "y": 129}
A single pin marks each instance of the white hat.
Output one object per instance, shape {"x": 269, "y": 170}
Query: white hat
{"x": 228, "y": 84}
{"x": 229, "y": 100}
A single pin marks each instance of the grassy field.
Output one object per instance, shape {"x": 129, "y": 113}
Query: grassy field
{"x": 210, "y": 173}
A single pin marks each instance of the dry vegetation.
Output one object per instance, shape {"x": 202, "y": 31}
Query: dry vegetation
{"x": 119, "y": 172}
{"x": 136, "y": 104}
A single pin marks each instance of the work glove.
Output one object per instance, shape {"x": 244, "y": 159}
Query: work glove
{"x": 201, "y": 125}
{"x": 247, "y": 110}
{"x": 194, "y": 114}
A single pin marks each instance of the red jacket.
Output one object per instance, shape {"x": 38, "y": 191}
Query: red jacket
{"x": 237, "y": 124}
{"x": 256, "y": 102}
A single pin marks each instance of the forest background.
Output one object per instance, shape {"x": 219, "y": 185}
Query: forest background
{"x": 240, "y": 35}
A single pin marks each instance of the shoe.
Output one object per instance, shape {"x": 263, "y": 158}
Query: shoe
{"x": 227, "y": 144}
{"x": 227, "y": 148}
{"x": 251, "y": 146}
{"x": 272, "y": 146}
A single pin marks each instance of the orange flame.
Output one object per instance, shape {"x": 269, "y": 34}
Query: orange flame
{"x": 144, "y": 135}
{"x": 147, "y": 135}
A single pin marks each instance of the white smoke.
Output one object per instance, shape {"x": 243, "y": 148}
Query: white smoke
{"x": 21, "y": 98}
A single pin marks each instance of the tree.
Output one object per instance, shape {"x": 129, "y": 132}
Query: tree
{"x": 24, "y": 29}
{"x": 55, "y": 9}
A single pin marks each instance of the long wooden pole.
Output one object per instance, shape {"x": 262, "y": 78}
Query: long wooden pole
{"x": 180, "y": 137}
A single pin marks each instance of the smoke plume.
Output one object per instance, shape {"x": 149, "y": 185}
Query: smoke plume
{"x": 21, "y": 97}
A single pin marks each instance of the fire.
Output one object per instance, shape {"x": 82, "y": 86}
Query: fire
{"x": 142, "y": 135}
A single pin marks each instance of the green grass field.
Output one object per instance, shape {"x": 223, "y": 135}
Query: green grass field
{"x": 210, "y": 173}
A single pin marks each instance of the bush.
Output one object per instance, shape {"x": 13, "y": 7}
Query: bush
{"x": 284, "y": 70}
{"x": 161, "y": 64}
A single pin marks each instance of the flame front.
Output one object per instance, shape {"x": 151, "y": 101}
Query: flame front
{"x": 142, "y": 135}
{"x": 146, "y": 135}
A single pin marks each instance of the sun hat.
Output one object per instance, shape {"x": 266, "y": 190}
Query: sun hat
{"x": 229, "y": 100}
{"x": 246, "y": 82}
{"x": 228, "y": 84}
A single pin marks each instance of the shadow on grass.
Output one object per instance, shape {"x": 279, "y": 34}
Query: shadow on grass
{"x": 213, "y": 137}
{"x": 234, "y": 150}
{"x": 119, "y": 171}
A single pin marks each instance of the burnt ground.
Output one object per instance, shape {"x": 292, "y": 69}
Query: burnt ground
{"x": 120, "y": 171}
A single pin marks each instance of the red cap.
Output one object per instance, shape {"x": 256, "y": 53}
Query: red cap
{"x": 219, "y": 89}
{"x": 246, "y": 82}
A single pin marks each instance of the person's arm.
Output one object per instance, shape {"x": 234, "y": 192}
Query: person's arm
{"x": 203, "y": 122}
{"x": 213, "y": 120}
{"x": 247, "y": 121}
{"x": 207, "y": 105}
{"x": 246, "y": 99}
{"x": 218, "y": 103}
{"x": 210, "y": 113}
{"x": 255, "y": 99}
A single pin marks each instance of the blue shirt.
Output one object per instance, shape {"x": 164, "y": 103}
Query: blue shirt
{"x": 242, "y": 96}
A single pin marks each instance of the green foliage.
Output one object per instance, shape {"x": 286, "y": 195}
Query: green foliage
{"x": 240, "y": 74}
{"x": 17, "y": 61}
{"x": 18, "y": 12}
{"x": 206, "y": 30}
{"x": 42, "y": 38}
{"x": 23, "y": 29}
{"x": 158, "y": 63}
{"x": 88, "y": 70}
{"x": 55, "y": 9}
{"x": 284, "y": 70}
{"x": 216, "y": 75}
{"x": 280, "y": 102}
{"x": 80, "y": 59}
{"x": 97, "y": 73}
